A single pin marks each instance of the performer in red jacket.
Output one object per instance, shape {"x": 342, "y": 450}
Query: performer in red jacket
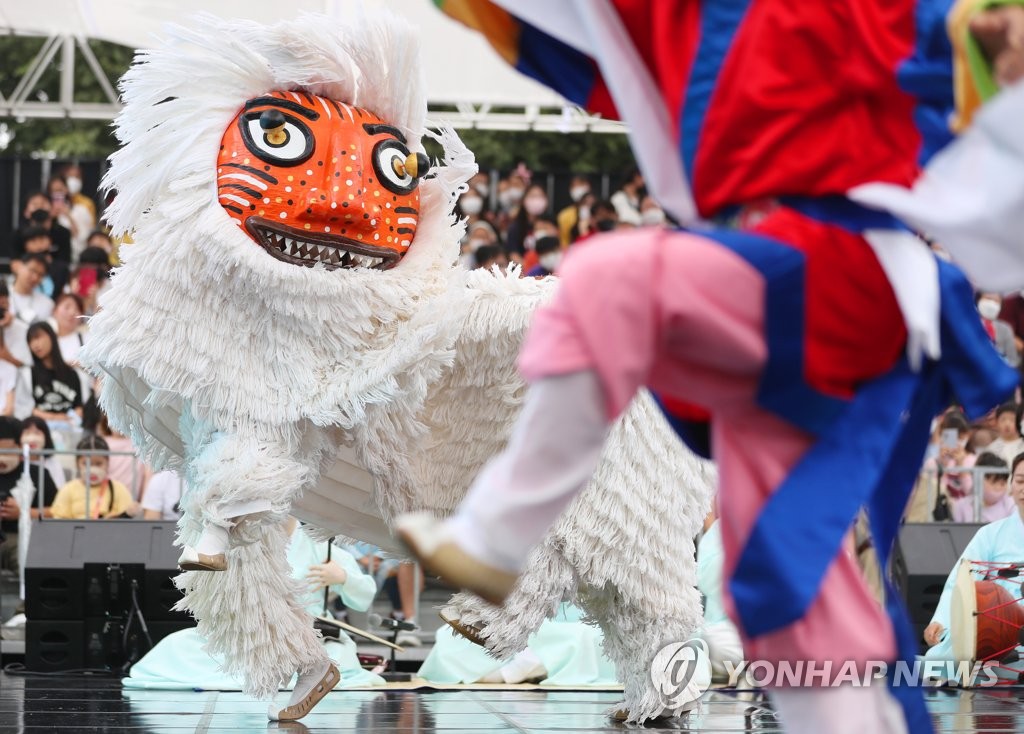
{"x": 820, "y": 341}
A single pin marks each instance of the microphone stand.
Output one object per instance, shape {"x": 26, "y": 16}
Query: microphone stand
{"x": 392, "y": 675}
{"x": 330, "y": 542}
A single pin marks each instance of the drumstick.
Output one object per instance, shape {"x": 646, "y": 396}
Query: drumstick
{"x": 361, "y": 633}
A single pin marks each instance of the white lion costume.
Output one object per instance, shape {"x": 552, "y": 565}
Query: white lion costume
{"x": 299, "y": 373}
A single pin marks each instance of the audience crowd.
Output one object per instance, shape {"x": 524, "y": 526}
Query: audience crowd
{"x": 59, "y": 260}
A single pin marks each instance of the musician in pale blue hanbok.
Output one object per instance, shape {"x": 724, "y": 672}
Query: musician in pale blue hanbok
{"x": 998, "y": 542}
{"x": 179, "y": 662}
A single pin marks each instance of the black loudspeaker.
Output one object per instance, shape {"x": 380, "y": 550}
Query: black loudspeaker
{"x": 924, "y": 555}
{"x": 86, "y": 582}
{"x": 53, "y": 645}
{"x": 85, "y": 568}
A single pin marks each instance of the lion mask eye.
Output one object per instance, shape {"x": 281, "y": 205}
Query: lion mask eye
{"x": 277, "y": 138}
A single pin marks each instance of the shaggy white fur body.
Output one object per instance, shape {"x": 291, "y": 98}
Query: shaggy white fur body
{"x": 349, "y": 396}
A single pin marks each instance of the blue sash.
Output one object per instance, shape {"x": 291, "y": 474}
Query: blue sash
{"x": 868, "y": 449}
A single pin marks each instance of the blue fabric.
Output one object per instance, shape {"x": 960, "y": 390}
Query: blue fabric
{"x": 782, "y": 389}
{"x": 868, "y": 456}
{"x": 719, "y": 22}
{"x": 927, "y": 75}
{"x": 695, "y": 434}
{"x": 868, "y": 449}
{"x": 842, "y": 212}
{"x": 555, "y": 64}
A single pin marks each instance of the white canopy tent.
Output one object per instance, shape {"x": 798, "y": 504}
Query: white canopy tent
{"x": 466, "y": 79}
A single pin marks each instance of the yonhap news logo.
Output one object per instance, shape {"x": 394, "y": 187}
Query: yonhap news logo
{"x": 680, "y": 672}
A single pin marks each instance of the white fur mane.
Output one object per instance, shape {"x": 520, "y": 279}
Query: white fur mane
{"x": 198, "y": 310}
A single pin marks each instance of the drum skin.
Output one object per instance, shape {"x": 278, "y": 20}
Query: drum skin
{"x": 998, "y": 629}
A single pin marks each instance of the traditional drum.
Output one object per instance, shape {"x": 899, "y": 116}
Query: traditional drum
{"x": 987, "y": 621}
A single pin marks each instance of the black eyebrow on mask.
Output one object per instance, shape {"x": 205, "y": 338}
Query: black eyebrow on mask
{"x": 376, "y": 128}
{"x": 284, "y": 103}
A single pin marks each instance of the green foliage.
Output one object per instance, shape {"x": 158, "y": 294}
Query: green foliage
{"x": 500, "y": 149}
{"x": 552, "y": 152}
{"x": 67, "y": 138}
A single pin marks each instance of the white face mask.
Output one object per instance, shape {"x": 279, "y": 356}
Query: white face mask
{"x": 652, "y": 217}
{"x": 74, "y": 185}
{"x": 989, "y": 309}
{"x": 536, "y": 205}
{"x": 482, "y": 189}
{"x": 509, "y": 198}
{"x": 578, "y": 192}
{"x": 471, "y": 205}
{"x": 475, "y": 243}
{"x": 97, "y": 475}
{"x": 550, "y": 261}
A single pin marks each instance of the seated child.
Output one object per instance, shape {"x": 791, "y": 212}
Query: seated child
{"x": 106, "y": 497}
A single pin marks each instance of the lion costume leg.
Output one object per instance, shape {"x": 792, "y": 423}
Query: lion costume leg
{"x": 250, "y": 615}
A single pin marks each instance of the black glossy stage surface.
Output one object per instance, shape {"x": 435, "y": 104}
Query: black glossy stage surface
{"x": 71, "y": 704}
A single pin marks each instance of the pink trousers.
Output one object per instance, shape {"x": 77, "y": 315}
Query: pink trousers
{"x": 684, "y": 315}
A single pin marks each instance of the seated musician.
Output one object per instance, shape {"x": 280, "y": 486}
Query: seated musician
{"x": 1001, "y": 541}
{"x": 180, "y": 662}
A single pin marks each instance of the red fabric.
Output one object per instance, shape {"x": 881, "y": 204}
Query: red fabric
{"x": 666, "y": 34}
{"x": 990, "y": 329}
{"x": 807, "y": 103}
{"x": 684, "y": 410}
{"x": 600, "y": 101}
{"x": 854, "y": 329}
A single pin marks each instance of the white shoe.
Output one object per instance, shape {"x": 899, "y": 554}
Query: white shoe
{"x": 407, "y": 638}
{"x": 13, "y": 628}
{"x": 302, "y": 707}
{"x": 192, "y": 560}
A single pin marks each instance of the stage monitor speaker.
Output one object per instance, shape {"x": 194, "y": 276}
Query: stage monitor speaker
{"x": 84, "y": 568}
{"x": 52, "y": 645}
{"x": 924, "y": 555}
{"x": 86, "y": 583}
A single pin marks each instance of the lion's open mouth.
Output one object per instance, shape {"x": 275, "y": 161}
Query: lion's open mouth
{"x": 302, "y": 247}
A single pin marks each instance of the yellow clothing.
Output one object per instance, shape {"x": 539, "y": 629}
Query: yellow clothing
{"x": 70, "y": 501}
{"x": 567, "y": 219}
{"x": 972, "y": 75}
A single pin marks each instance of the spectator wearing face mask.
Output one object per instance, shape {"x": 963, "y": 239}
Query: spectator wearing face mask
{"x": 480, "y": 234}
{"x": 549, "y": 257}
{"x": 989, "y": 306}
{"x": 651, "y": 214}
{"x": 471, "y": 206}
{"x": 1012, "y": 313}
{"x": 510, "y": 193}
{"x": 481, "y": 184}
{"x": 568, "y": 218}
{"x": 82, "y": 211}
{"x": 93, "y": 495}
{"x": 542, "y": 228}
{"x": 627, "y": 199}
{"x": 603, "y": 218}
{"x": 996, "y": 502}
{"x": 534, "y": 207}
{"x": 37, "y": 212}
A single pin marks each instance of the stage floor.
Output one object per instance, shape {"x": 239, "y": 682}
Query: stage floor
{"x": 69, "y": 704}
